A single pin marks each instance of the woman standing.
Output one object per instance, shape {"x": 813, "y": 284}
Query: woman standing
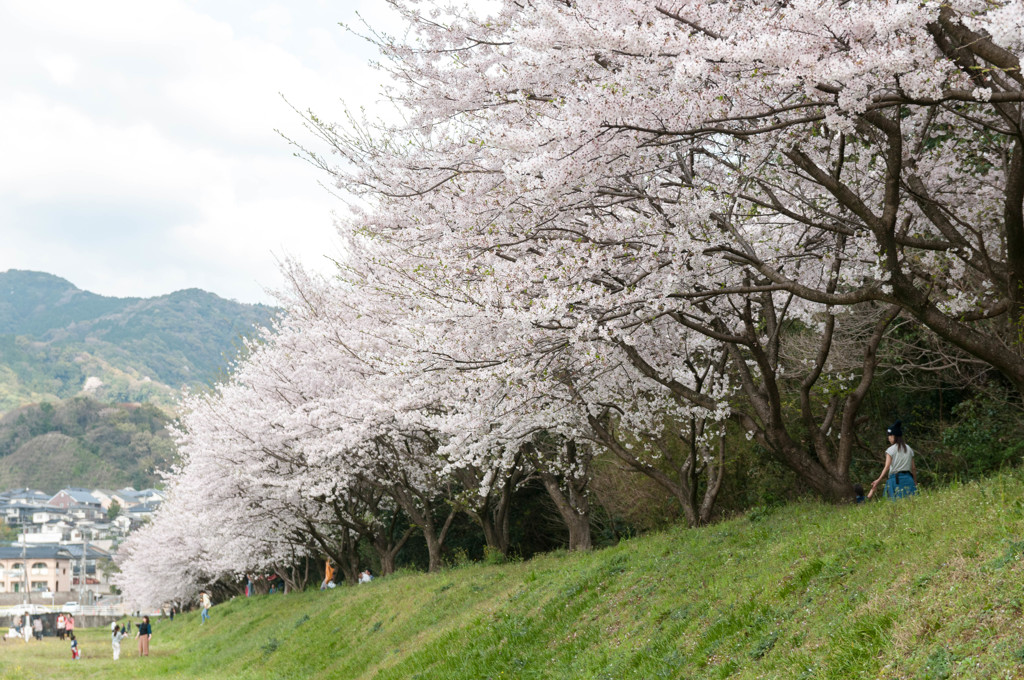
{"x": 899, "y": 465}
{"x": 145, "y": 630}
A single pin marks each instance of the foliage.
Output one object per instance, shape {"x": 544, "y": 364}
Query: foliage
{"x": 53, "y": 337}
{"x": 83, "y": 442}
{"x": 987, "y": 434}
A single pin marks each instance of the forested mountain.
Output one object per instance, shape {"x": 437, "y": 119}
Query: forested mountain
{"x": 57, "y": 340}
{"x": 83, "y": 442}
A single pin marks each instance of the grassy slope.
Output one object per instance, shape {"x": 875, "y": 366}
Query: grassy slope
{"x": 926, "y": 588}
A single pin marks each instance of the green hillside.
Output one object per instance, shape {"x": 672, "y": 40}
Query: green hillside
{"x": 926, "y": 588}
{"x": 83, "y": 442}
{"x": 53, "y": 337}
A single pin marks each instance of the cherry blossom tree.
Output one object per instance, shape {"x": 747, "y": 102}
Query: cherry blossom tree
{"x": 741, "y": 172}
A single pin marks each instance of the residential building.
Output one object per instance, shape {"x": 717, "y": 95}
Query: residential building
{"x": 66, "y": 498}
{"x": 48, "y": 569}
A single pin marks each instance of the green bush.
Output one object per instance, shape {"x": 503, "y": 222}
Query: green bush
{"x": 985, "y": 436}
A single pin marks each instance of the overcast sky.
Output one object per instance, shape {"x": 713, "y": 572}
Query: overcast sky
{"x": 137, "y": 147}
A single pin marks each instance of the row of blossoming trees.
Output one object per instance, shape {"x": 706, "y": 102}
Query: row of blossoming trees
{"x": 611, "y": 227}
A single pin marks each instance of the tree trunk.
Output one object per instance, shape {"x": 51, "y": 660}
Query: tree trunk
{"x": 433, "y": 551}
{"x": 490, "y": 512}
{"x": 574, "y": 509}
{"x": 1014, "y": 218}
{"x": 387, "y": 562}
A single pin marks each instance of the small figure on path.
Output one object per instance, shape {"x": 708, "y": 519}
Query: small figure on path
{"x": 204, "y": 601}
{"x": 145, "y": 631}
{"x": 899, "y": 465}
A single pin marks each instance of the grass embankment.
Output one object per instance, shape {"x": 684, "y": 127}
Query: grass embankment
{"x": 930, "y": 587}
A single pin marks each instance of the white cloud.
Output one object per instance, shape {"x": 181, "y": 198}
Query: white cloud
{"x": 138, "y": 138}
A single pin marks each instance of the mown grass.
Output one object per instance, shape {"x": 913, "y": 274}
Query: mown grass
{"x": 931, "y": 588}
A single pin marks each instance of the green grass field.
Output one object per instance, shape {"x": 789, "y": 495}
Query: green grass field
{"x": 931, "y": 588}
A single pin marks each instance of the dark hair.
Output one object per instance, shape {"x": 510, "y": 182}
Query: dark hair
{"x": 896, "y": 432}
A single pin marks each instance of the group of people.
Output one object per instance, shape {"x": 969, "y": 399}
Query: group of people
{"x": 118, "y": 633}
{"x": 28, "y": 628}
{"x": 65, "y": 625}
{"x": 144, "y": 631}
{"x": 328, "y": 582}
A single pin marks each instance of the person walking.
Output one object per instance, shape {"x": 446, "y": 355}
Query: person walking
{"x": 26, "y": 628}
{"x": 204, "y": 600}
{"x": 145, "y": 632}
{"x": 37, "y": 628}
{"x": 60, "y": 625}
{"x": 899, "y": 466}
{"x": 76, "y": 653}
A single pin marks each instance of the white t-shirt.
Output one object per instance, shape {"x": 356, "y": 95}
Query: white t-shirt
{"x": 901, "y": 460}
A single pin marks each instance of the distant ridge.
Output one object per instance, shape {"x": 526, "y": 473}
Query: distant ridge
{"x": 54, "y": 337}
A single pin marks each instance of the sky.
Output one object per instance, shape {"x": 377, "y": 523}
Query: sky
{"x": 138, "y": 152}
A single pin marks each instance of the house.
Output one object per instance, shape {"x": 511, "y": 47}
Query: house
{"x": 105, "y": 497}
{"x": 20, "y": 512}
{"x": 142, "y": 512}
{"x": 72, "y": 496}
{"x": 151, "y": 496}
{"x": 48, "y": 569}
{"x": 45, "y": 533}
{"x": 88, "y": 513}
{"x": 126, "y": 497}
{"x": 25, "y": 496}
{"x": 48, "y": 516}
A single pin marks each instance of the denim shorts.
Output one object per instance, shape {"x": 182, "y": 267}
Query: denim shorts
{"x": 900, "y": 485}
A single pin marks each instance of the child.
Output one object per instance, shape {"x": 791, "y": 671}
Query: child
{"x": 75, "y": 652}
{"x": 115, "y": 641}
